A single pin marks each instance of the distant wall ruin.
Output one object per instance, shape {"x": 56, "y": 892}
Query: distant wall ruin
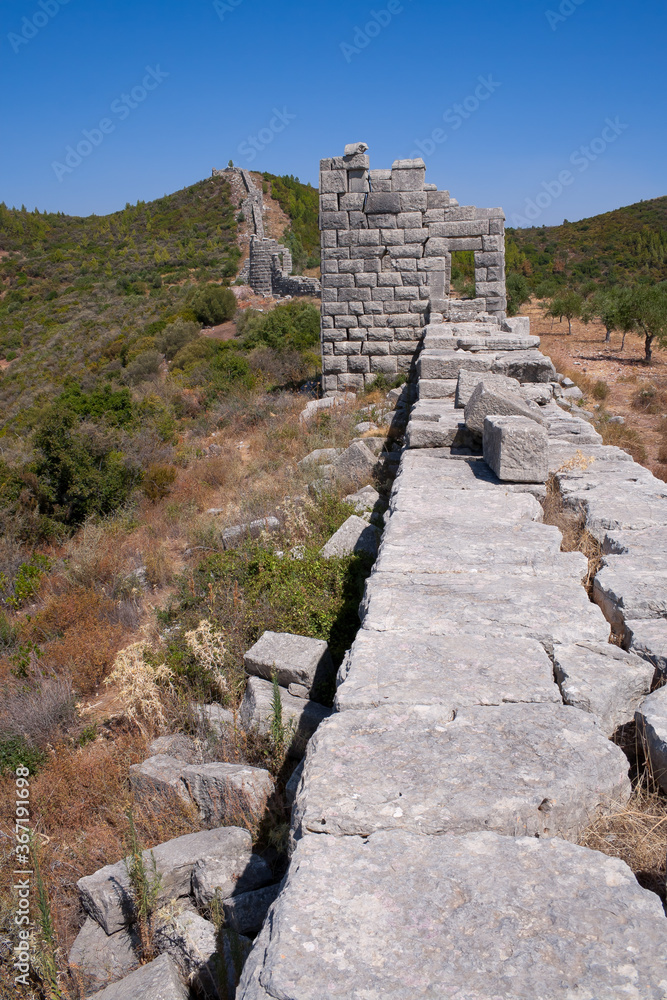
{"x": 387, "y": 244}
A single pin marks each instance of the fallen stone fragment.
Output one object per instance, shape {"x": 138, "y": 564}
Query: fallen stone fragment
{"x": 364, "y": 427}
{"x": 319, "y": 457}
{"x": 159, "y": 980}
{"x": 485, "y": 402}
{"x": 256, "y": 713}
{"x": 459, "y": 917}
{"x": 101, "y": 958}
{"x": 626, "y": 588}
{"x": 603, "y": 680}
{"x": 363, "y": 500}
{"x": 234, "y": 536}
{"x": 526, "y": 366}
{"x": 296, "y": 659}
{"x": 228, "y": 794}
{"x": 648, "y": 638}
{"x": 177, "y": 745}
{"x": 651, "y": 720}
{"x": 515, "y": 448}
{"x": 408, "y": 668}
{"x": 158, "y": 777}
{"x": 468, "y": 381}
{"x": 106, "y": 897}
{"x": 228, "y": 875}
{"x": 356, "y": 462}
{"x": 353, "y": 537}
{"x": 534, "y": 770}
{"x": 246, "y": 913}
{"x": 194, "y": 944}
{"x": 213, "y": 717}
{"x": 316, "y": 406}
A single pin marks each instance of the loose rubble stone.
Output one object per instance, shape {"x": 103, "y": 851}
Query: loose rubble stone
{"x": 246, "y": 913}
{"x": 296, "y": 659}
{"x": 316, "y": 406}
{"x": 539, "y": 770}
{"x": 468, "y": 381}
{"x": 516, "y": 450}
{"x": 356, "y": 462}
{"x": 364, "y": 427}
{"x": 102, "y": 958}
{"x": 458, "y": 916}
{"x": 256, "y": 712}
{"x": 234, "y": 536}
{"x": 159, "y": 980}
{"x": 229, "y": 875}
{"x": 363, "y": 500}
{"x": 319, "y": 457}
{"x": 648, "y": 638}
{"x": 177, "y": 745}
{"x": 485, "y": 402}
{"x": 159, "y": 776}
{"x": 193, "y": 943}
{"x": 229, "y": 793}
{"x": 603, "y": 680}
{"x": 105, "y": 894}
{"x": 213, "y": 717}
{"x": 353, "y": 537}
{"x": 651, "y": 720}
{"x": 408, "y": 668}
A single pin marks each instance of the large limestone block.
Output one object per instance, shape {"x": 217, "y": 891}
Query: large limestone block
{"x": 627, "y": 588}
{"x": 399, "y": 668}
{"x": 449, "y": 431}
{"x": 486, "y": 401}
{"x": 603, "y": 680}
{"x": 296, "y": 659}
{"x": 160, "y": 776}
{"x": 256, "y": 712}
{"x": 651, "y": 720}
{"x": 539, "y": 770}
{"x": 516, "y": 449}
{"x": 229, "y": 794}
{"x": 480, "y": 916}
{"x": 102, "y": 958}
{"x": 228, "y": 875}
{"x": 105, "y": 895}
{"x": 355, "y": 536}
{"x": 159, "y": 980}
{"x": 483, "y": 504}
{"x": 246, "y": 913}
{"x": 468, "y": 381}
{"x": 194, "y": 945}
{"x": 357, "y": 462}
{"x": 436, "y": 364}
{"x": 526, "y": 366}
{"x": 648, "y": 638}
{"x": 549, "y": 609}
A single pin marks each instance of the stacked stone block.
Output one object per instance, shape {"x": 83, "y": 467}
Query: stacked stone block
{"x": 387, "y": 241}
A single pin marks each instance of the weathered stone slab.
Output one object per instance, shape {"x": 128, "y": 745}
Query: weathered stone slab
{"x": 460, "y": 917}
{"x": 228, "y": 794}
{"x": 102, "y": 958}
{"x": 176, "y": 745}
{"x": 469, "y": 380}
{"x": 485, "y": 402}
{"x": 320, "y": 456}
{"x": 105, "y": 894}
{"x": 159, "y": 980}
{"x": 246, "y": 913}
{"x": 630, "y": 588}
{"x": 228, "y": 875}
{"x": 514, "y": 447}
{"x": 651, "y": 720}
{"x": 534, "y": 770}
{"x": 467, "y": 503}
{"x": 356, "y": 462}
{"x": 603, "y": 680}
{"x": 550, "y": 611}
{"x": 408, "y": 668}
{"x": 437, "y": 388}
{"x": 194, "y": 945}
{"x": 296, "y": 659}
{"x": 447, "y": 364}
{"x": 443, "y": 430}
{"x": 355, "y": 536}
{"x": 158, "y": 777}
{"x": 256, "y": 712}
{"x": 234, "y": 536}
{"x": 526, "y": 366}
{"x": 364, "y": 500}
{"x": 648, "y": 638}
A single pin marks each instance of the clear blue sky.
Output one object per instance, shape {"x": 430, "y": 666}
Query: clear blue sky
{"x": 555, "y": 72}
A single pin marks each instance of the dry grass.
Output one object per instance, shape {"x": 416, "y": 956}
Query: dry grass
{"x": 572, "y": 525}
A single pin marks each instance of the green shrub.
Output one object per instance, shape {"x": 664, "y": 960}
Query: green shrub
{"x": 144, "y": 367}
{"x": 158, "y": 480}
{"x": 15, "y": 752}
{"x": 114, "y": 406}
{"x": 292, "y": 326}
{"x": 214, "y": 304}
{"x": 202, "y": 349}
{"x": 175, "y": 336}
{"x": 600, "y": 390}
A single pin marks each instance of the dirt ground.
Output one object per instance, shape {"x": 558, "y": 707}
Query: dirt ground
{"x": 586, "y": 358}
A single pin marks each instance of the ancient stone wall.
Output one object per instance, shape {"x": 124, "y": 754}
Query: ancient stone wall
{"x": 387, "y": 244}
